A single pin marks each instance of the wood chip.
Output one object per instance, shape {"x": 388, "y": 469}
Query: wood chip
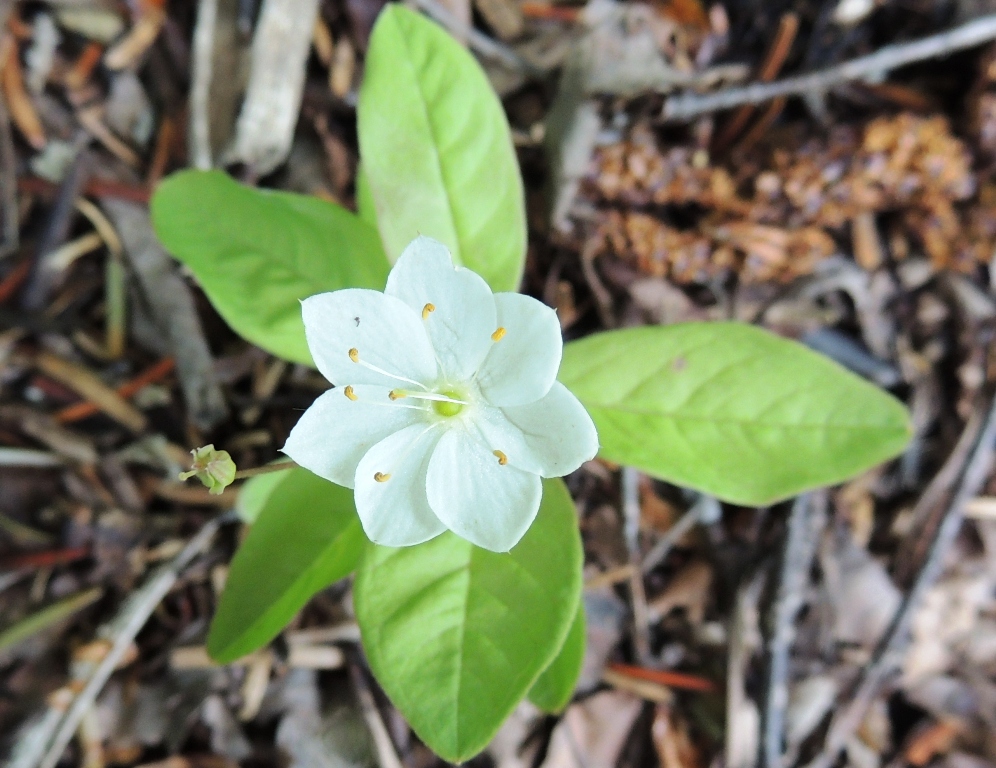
{"x": 642, "y": 688}
{"x": 90, "y": 387}
{"x": 276, "y": 82}
{"x": 21, "y": 107}
{"x": 127, "y": 52}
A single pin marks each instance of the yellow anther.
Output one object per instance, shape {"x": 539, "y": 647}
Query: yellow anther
{"x": 382, "y": 477}
{"x": 396, "y": 394}
{"x": 502, "y": 458}
{"x": 498, "y": 335}
{"x": 348, "y": 392}
{"x": 354, "y": 355}
{"x": 428, "y": 308}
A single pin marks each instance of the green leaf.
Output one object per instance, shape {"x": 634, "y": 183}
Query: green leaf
{"x": 553, "y": 690}
{"x": 457, "y": 635}
{"x": 257, "y": 253}
{"x": 306, "y": 537}
{"x": 437, "y": 151}
{"x": 256, "y": 491}
{"x": 731, "y": 410}
{"x": 366, "y": 209}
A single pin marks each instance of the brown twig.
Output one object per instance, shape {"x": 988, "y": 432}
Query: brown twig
{"x": 120, "y": 634}
{"x": 45, "y": 559}
{"x": 32, "y": 185}
{"x": 677, "y": 680}
{"x": 764, "y": 122}
{"x": 773, "y": 62}
{"x": 10, "y": 231}
{"x": 550, "y": 12}
{"x": 60, "y": 219}
{"x": 150, "y": 375}
{"x": 976, "y": 32}
{"x": 22, "y": 109}
{"x": 889, "y": 654}
{"x": 14, "y": 279}
{"x": 88, "y": 385}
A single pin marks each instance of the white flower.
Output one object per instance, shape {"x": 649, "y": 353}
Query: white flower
{"x": 446, "y": 411}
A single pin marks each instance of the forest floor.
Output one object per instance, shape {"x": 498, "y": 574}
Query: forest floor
{"x": 854, "y": 210}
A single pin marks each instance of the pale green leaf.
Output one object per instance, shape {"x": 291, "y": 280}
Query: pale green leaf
{"x": 731, "y": 410}
{"x": 255, "y": 492}
{"x": 437, "y": 151}
{"x": 366, "y": 209}
{"x": 257, "y": 253}
{"x": 307, "y": 536}
{"x": 457, "y": 635}
{"x": 553, "y": 690}
{"x": 47, "y": 617}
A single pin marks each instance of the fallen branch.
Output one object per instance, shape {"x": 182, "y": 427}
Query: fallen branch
{"x": 889, "y": 654}
{"x": 9, "y": 223}
{"x": 806, "y": 523}
{"x": 631, "y": 532}
{"x": 886, "y": 59}
{"x": 477, "y": 40}
{"x": 705, "y": 510}
{"x": 44, "y": 742}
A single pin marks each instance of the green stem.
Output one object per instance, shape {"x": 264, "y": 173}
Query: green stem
{"x": 242, "y": 474}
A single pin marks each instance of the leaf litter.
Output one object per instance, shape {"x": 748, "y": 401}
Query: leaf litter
{"x": 860, "y": 219}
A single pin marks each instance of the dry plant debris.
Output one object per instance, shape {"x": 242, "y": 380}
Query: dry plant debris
{"x": 774, "y": 214}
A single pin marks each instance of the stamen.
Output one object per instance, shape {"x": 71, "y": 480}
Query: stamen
{"x": 397, "y": 405}
{"x": 427, "y": 310}
{"x": 383, "y": 477}
{"x": 502, "y": 458}
{"x": 354, "y": 355}
{"x": 435, "y": 397}
{"x": 498, "y": 335}
{"x": 348, "y": 392}
{"x": 396, "y": 394}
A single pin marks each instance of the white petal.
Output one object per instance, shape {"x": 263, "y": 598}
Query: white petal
{"x": 331, "y": 436}
{"x": 523, "y": 365}
{"x": 383, "y": 330}
{"x": 464, "y": 317}
{"x": 394, "y": 511}
{"x": 477, "y": 498}
{"x": 551, "y": 437}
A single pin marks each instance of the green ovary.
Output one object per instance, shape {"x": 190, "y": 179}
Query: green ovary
{"x": 444, "y": 408}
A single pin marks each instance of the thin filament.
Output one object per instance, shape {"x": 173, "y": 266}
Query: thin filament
{"x": 375, "y": 369}
{"x": 433, "y": 396}
{"x": 396, "y": 405}
{"x": 411, "y": 447}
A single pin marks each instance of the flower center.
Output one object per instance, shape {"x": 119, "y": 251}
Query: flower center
{"x": 449, "y": 407}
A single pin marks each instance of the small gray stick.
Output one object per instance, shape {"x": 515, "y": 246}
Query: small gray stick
{"x": 123, "y": 630}
{"x": 969, "y": 35}
{"x": 631, "y": 532}
{"x": 805, "y": 525}
{"x": 200, "y": 87}
{"x": 477, "y": 40}
{"x": 9, "y": 224}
